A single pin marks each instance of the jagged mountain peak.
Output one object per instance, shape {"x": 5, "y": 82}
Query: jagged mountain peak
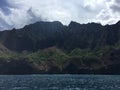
{"x": 118, "y": 22}
{"x": 42, "y": 35}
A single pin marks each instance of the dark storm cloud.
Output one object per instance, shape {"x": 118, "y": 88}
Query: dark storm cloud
{"x": 4, "y": 6}
{"x": 115, "y": 6}
{"x": 117, "y": 1}
{"x": 4, "y": 24}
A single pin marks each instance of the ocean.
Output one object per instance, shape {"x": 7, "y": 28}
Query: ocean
{"x": 59, "y": 82}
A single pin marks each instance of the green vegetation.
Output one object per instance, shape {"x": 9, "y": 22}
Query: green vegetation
{"x": 54, "y": 54}
{"x": 50, "y": 45}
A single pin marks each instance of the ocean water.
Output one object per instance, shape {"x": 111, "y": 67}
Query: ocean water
{"x": 59, "y": 82}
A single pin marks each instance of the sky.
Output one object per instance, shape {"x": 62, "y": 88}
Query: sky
{"x": 18, "y": 13}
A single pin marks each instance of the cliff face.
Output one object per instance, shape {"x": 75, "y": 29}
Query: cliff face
{"x": 42, "y": 35}
{"x": 3, "y": 49}
{"x": 50, "y": 47}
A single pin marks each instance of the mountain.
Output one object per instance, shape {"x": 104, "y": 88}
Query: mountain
{"x": 30, "y": 37}
{"x": 51, "y": 47}
{"x": 3, "y": 49}
{"x": 47, "y": 34}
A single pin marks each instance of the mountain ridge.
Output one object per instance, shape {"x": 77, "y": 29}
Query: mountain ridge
{"x": 50, "y": 30}
{"x": 51, "y": 47}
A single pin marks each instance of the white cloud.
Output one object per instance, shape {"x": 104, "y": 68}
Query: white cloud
{"x": 94, "y": 4}
{"x": 110, "y": 14}
{"x": 22, "y": 12}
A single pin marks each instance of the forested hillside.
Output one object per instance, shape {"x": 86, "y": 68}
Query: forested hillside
{"x": 51, "y": 47}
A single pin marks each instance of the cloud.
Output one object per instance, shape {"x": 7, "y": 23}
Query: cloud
{"x": 115, "y": 6}
{"x": 18, "y": 13}
{"x": 24, "y": 12}
{"x": 4, "y": 6}
{"x": 110, "y": 14}
{"x": 92, "y": 4}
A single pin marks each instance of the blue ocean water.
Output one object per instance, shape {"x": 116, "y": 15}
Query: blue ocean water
{"x": 59, "y": 82}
